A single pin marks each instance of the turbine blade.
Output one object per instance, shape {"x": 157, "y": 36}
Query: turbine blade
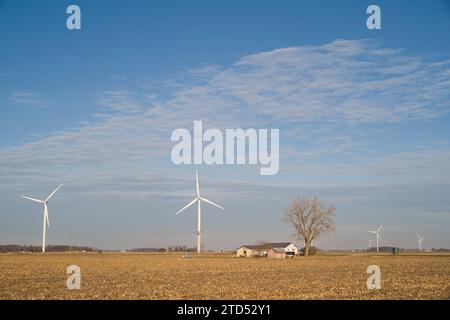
{"x": 51, "y": 194}
{"x": 32, "y": 199}
{"x": 188, "y": 205}
{"x": 372, "y": 231}
{"x": 196, "y": 182}
{"x": 380, "y": 228}
{"x": 210, "y": 202}
{"x": 379, "y": 237}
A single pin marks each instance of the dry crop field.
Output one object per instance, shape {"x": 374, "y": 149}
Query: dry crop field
{"x": 222, "y": 276}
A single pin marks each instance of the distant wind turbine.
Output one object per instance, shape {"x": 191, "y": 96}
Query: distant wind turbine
{"x": 198, "y": 199}
{"x": 46, "y": 222}
{"x": 370, "y": 242}
{"x": 419, "y": 242}
{"x": 377, "y": 232}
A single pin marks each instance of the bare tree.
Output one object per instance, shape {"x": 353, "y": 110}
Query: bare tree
{"x": 310, "y": 219}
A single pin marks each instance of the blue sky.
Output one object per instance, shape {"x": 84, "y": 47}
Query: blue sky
{"x": 363, "y": 118}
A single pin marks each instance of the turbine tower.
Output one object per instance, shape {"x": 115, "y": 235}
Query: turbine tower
{"x": 419, "y": 242}
{"x": 45, "y": 223}
{"x": 198, "y": 199}
{"x": 377, "y": 232}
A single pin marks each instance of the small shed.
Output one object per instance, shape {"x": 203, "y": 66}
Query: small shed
{"x": 276, "y": 253}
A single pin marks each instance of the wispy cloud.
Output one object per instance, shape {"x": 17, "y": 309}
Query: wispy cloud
{"x": 320, "y": 96}
{"x": 119, "y": 77}
{"x": 119, "y": 100}
{"x": 27, "y": 98}
{"x": 344, "y": 81}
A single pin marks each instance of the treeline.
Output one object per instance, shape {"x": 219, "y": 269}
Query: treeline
{"x": 181, "y": 249}
{"x": 168, "y": 249}
{"x": 67, "y": 248}
{"x": 147, "y": 250}
{"x": 49, "y": 248}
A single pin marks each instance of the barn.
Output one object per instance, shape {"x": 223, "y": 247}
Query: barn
{"x": 251, "y": 251}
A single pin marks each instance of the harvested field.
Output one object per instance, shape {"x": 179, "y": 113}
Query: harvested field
{"x": 222, "y": 276}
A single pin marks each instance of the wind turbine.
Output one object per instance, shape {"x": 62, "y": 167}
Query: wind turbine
{"x": 198, "y": 199}
{"x": 46, "y": 223}
{"x": 419, "y": 241}
{"x": 370, "y": 242}
{"x": 377, "y": 232}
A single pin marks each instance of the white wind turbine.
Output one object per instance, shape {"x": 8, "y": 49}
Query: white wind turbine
{"x": 419, "y": 242}
{"x": 46, "y": 223}
{"x": 370, "y": 242}
{"x": 377, "y": 232}
{"x": 198, "y": 199}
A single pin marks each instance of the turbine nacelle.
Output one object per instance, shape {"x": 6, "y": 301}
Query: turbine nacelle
{"x": 419, "y": 238}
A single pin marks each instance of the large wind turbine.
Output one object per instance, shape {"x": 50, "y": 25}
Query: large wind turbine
{"x": 419, "y": 241}
{"x": 198, "y": 199}
{"x": 377, "y": 232}
{"x": 46, "y": 223}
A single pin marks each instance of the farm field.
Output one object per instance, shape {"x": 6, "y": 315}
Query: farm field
{"x": 222, "y": 276}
